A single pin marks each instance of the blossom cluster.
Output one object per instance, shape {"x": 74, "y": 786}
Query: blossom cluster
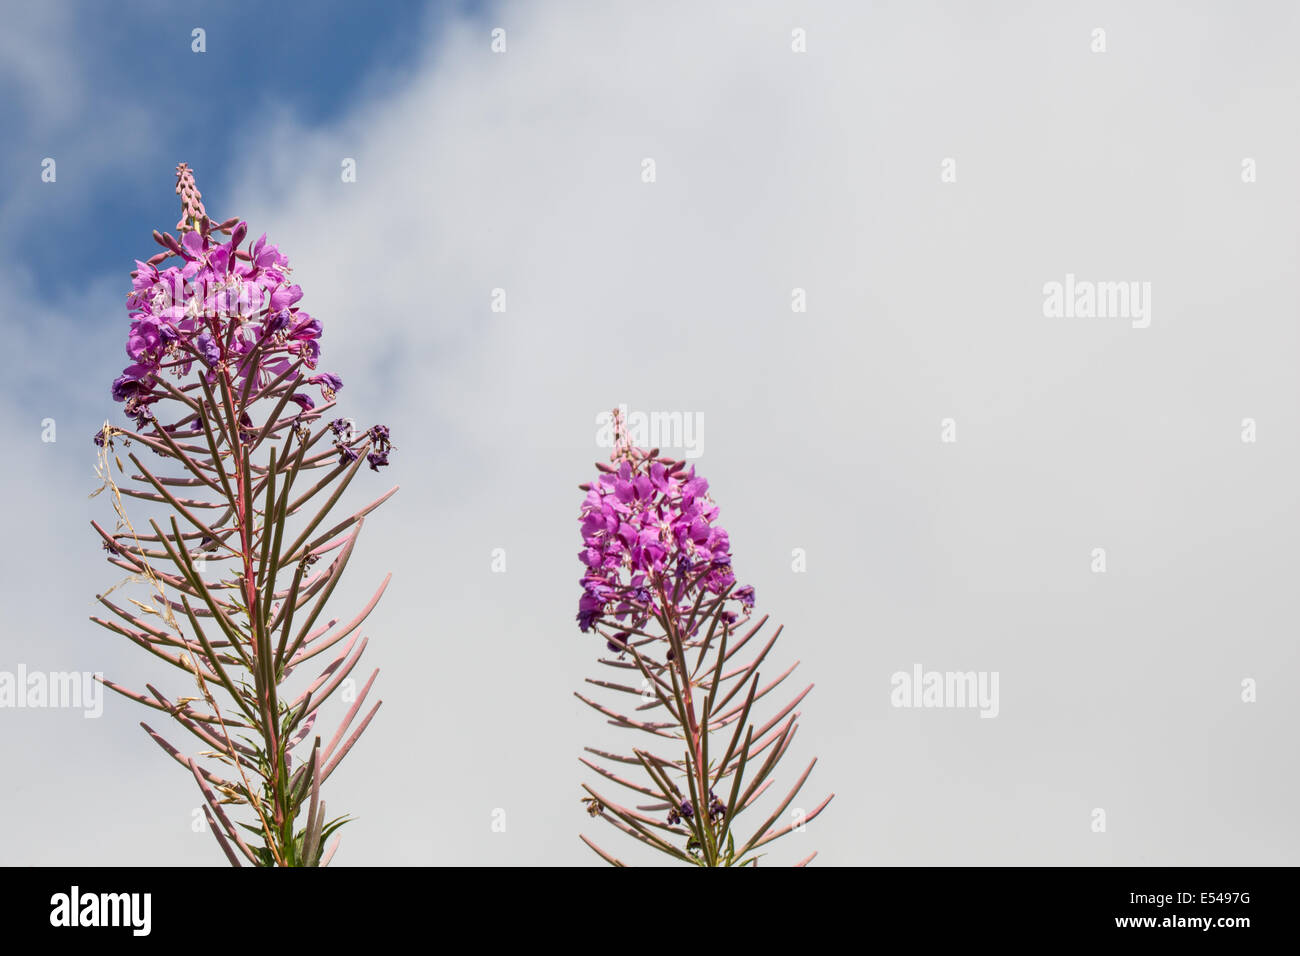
{"x": 651, "y": 543}
{"x": 224, "y": 307}
{"x": 231, "y": 308}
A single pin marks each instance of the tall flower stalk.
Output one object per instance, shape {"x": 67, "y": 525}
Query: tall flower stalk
{"x": 220, "y": 394}
{"x": 659, "y": 590}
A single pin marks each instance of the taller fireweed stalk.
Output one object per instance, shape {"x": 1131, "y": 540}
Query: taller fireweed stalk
{"x": 659, "y": 589}
{"x": 219, "y": 391}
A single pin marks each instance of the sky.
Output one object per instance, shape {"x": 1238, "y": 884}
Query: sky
{"x": 841, "y": 269}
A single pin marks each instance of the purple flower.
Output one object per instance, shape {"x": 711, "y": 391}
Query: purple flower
{"x": 193, "y": 244}
{"x": 135, "y": 380}
{"x": 683, "y": 810}
{"x": 716, "y": 809}
{"x": 179, "y": 313}
{"x": 646, "y": 525}
{"x": 590, "y": 607}
{"x": 267, "y": 256}
{"x": 329, "y": 384}
{"x": 277, "y": 322}
{"x": 149, "y": 336}
{"x": 208, "y": 349}
{"x": 283, "y": 297}
{"x": 303, "y": 340}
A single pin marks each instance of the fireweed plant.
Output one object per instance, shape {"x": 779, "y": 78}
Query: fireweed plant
{"x": 219, "y": 390}
{"x": 660, "y": 592}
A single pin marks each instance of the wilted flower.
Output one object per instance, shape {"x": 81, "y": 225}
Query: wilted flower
{"x": 378, "y": 435}
{"x": 717, "y": 809}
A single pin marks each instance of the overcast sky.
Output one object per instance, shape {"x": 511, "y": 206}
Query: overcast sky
{"x": 923, "y": 172}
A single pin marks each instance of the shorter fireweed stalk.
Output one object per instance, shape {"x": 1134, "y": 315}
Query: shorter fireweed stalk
{"x": 660, "y": 592}
{"x": 221, "y": 362}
